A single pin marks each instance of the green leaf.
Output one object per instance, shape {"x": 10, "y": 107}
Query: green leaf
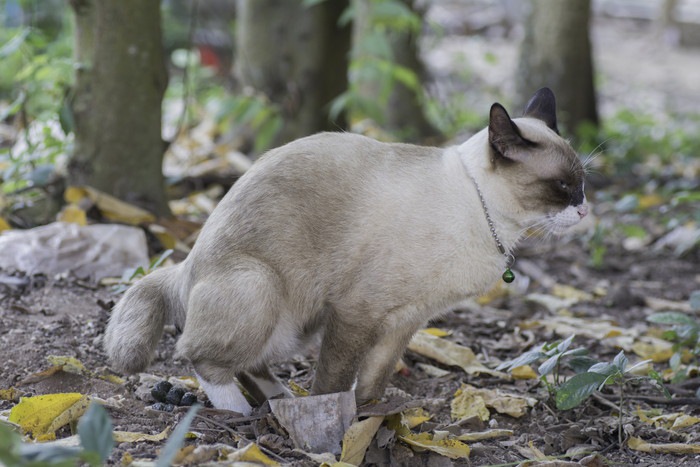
{"x": 176, "y": 439}
{"x": 157, "y": 262}
{"x": 672, "y": 317}
{"x": 577, "y": 389}
{"x": 310, "y": 3}
{"x": 15, "y": 43}
{"x": 620, "y": 361}
{"x": 604, "y": 368}
{"x": 565, "y": 344}
{"x": 581, "y": 363}
{"x": 525, "y": 359}
{"x": 658, "y": 383}
{"x": 95, "y": 431}
{"x": 548, "y": 366}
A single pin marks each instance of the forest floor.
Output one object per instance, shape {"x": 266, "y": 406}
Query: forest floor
{"x": 599, "y": 286}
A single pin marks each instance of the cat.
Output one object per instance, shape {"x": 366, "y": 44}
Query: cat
{"x": 359, "y": 240}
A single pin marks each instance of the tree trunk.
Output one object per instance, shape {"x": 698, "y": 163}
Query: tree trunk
{"x": 556, "y": 52}
{"x": 120, "y": 82}
{"x": 402, "y": 111}
{"x": 297, "y": 57}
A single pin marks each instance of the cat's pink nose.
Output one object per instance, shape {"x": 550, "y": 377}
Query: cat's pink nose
{"x": 582, "y": 210}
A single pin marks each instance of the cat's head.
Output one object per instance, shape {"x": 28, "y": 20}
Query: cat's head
{"x": 542, "y": 170}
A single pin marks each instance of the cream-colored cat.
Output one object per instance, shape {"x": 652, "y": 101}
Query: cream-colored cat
{"x": 360, "y": 240}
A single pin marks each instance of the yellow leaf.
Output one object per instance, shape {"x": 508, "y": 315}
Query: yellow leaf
{"x": 482, "y": 435}
{"x": 510, "y": 404}
{"x": 684, "y": 421}
{"x": 112, "y": 379}
{"x": 110, "y": 207}
{"x": 68, "y": 364}
{"x": 653, "y": 348}
{"x": 297, "y": 390}
{"x": 132, "y": 437}
{"x": 437, "y": 332}
{"x": 649, "y": 201}
{"x": 524, "y": 372}
{"x": 165, "y": 238}
{"x": 449, "y": 353}
{"x": 9, "y": 394}
{"x": 663, "y": 448}
{"x": 74, "y": 194}
{"x": 357, "y": 439}
{"x": 252, "y": 453}
{"x": 4, "y": 225}
{"x": 73, "y": 214}
{"x": 71, "y": 414}
{"x": 451, "y": 448}
{"x": 569, "y": 292}
{"x": 36, "y": 414}
{"x": 467, "y": 404}
{"x": 415, "y": 416}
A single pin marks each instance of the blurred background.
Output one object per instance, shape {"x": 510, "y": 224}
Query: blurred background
{"x": 164, "y": 104}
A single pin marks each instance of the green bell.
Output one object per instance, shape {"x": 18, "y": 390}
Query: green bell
{"x": 508, "y": 276}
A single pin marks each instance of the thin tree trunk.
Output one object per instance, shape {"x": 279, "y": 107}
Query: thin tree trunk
{"x": 297, "y": 57}
{"x": 120, "y": 82}
{"x": 556, "y": 52}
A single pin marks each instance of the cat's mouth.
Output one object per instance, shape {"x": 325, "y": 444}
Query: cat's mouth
{"x": 563, "y": 220}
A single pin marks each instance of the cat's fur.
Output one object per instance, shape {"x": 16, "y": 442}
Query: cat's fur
{"x": 360, "y": 240}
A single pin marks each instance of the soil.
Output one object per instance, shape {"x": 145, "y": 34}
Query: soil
{"x": 42, "y": 316}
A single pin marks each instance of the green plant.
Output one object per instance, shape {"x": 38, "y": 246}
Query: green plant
{"x": 591, "y": 375}
{"x": 41, "y": 74}
{"x": 133, "y": 273}
{"x": 685, "y": 335}
{"x": 553, "y": 356}
{"x": 96, "y": 443}
{"x": 372, "y": 62}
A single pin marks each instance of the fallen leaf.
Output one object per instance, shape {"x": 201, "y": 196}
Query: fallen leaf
{"x": 550, "y": 302}
{"x": 524, "y": 372}
{"x": 449, "y": 353}
{"x": 569, "y": 292}
{"x": 112, "y": 208}
{"x": 4, "y": 225}
{"x": 297, "y": 390}
{"x": 36, "y": 414}
{"x": 437, "y": 332}
{"x": 415, "y": 416}
{"x": 662, "y": 448}
{"x": 134, "y": 437}
{"x": 253, "y": 454}
{"x": 358, "y": 438}
{"x": 72, "y": 213}
{"x": 482, "y": 435}
{"x": 69, "y": 415}
{"x": 467, "y": 404}
{"x": 510, "y": 404}
{"x": 68, "y": 364}
{"x": 448, "y": 447}
{"x": 9, "y": 394}
{"x": 653, "y": 348}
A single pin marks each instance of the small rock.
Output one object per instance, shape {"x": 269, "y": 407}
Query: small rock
{"x": 163, "y": 407}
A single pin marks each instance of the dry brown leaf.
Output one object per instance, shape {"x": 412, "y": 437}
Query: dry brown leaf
{"x": 639, "y": 444}
{"x": 449, "y": 353}
{"x": 482, "y": 435}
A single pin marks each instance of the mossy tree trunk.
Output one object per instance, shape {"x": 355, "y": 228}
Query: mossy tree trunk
{"x": 297, "y": 56}
{"x": 120, "y": 81}
{"x": 556, "y": 52}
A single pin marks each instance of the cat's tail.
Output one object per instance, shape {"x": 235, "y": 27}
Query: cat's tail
{"x": 136, "y": 324}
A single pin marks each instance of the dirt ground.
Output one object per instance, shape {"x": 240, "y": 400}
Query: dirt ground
{"x": 42, "y": 316}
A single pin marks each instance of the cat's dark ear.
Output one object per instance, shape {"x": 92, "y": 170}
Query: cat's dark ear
{"x": 504, "y": 135}
{"x": 543, "y": 107}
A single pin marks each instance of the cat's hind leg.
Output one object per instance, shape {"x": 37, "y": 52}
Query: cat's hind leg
{"x": 235, "y": 324}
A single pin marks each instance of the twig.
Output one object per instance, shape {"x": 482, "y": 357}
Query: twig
{"x": 238, "y": 437}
